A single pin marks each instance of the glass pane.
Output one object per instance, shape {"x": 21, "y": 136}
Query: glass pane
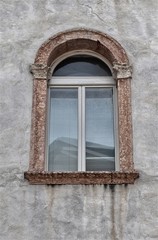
{"x": 63, "y": 145}
{"x": 100, "y": 152}
{"x": 82, "y": 65}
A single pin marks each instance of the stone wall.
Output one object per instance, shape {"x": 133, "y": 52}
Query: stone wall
{"x": 100, "y": 212}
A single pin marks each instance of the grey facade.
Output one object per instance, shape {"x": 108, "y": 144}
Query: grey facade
{"x": 29, "y": 212}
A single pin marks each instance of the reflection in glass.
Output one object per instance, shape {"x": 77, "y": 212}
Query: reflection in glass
{"x": 82, "y": 65}
{"x": 63, "y": 144}
{"x": 100, "y": 152}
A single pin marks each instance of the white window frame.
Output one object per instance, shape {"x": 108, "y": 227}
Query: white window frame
{"x": 81, "y": 83}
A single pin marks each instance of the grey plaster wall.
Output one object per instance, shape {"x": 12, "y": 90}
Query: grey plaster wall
{"x": 77, "y": 212}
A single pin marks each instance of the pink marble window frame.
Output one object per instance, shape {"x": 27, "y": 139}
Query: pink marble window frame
{"x": 110, "y": 49}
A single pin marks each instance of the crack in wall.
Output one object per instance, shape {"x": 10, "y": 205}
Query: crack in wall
{"x": 91, "y": 10}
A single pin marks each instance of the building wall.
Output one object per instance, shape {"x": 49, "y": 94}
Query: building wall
{"x": 100, "y": 212}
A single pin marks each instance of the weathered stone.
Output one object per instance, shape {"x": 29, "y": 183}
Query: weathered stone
{"x": 85, "y": 178}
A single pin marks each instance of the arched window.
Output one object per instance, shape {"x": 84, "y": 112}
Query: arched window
{"x": 81, "y": 120}
{"x": 82, "y": 132}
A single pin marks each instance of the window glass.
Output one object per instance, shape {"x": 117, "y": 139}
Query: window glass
{"x": 63, "y": 150}
{"x": 81, "y": 119}
{"x": 100, "y": 151}
{"x": 82, "y": 65}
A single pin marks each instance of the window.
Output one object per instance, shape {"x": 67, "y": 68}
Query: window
{"x": 82, "y": 96}
{"x": 108, "y": 147}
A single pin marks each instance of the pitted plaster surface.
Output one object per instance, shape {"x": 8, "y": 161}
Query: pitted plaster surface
{"x": 30, "y": 212}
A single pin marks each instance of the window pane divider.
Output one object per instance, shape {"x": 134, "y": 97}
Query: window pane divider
{"x": 83, "y": 130}
{"x": 116, "y": 130}
{"x": 79, "y": 129}
{"x": 79, "y": 81}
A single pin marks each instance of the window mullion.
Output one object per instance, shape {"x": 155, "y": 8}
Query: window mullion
{"x": 79, "y": 129}
{"x": 83, "y": 153}
{"x": 115, "y": 107}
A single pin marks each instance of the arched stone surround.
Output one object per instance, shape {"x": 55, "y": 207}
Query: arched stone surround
{"x": 113, "y": 52}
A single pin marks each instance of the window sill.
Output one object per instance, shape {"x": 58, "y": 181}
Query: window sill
{"x": 86, "y": 178}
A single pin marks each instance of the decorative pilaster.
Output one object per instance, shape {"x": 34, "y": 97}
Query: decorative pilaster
{"x": 39, "y": 112}
{"x": 122, "y": 75}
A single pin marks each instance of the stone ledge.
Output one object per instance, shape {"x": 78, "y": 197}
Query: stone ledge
{"x": 86, "y": 178}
